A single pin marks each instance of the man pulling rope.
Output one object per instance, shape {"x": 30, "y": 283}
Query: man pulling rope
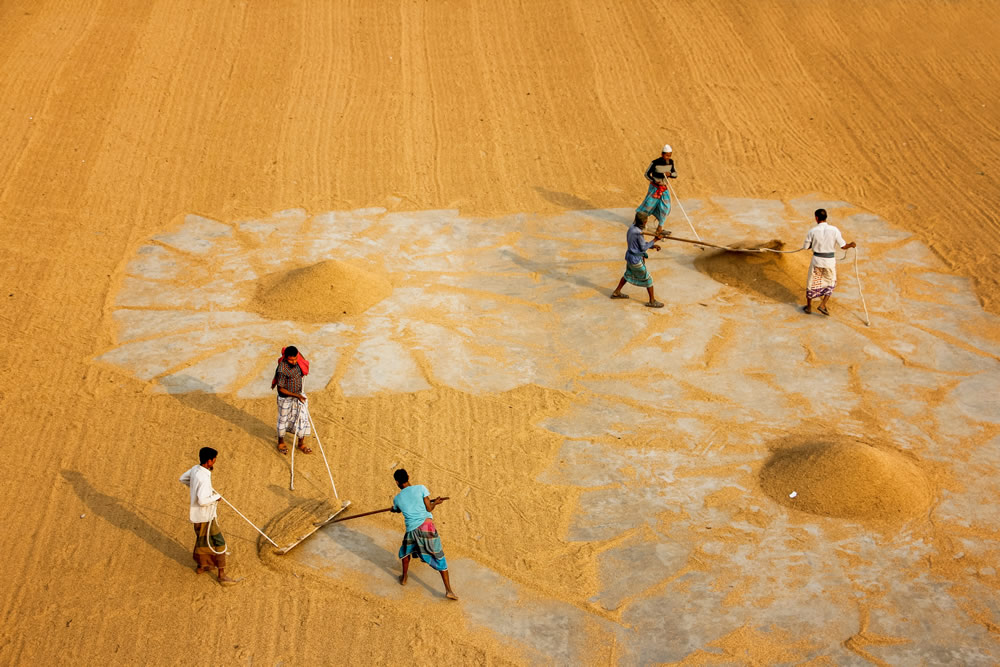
{"x": 293, "y": 411}
{"x": 209, "y": 545}
{"x": 824, "y": 239}
{"x": 657, "y": 201}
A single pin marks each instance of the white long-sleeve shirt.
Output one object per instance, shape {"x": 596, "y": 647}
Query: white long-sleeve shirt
{"x": 203, "y": 496}
{"x": 824, "y": 238}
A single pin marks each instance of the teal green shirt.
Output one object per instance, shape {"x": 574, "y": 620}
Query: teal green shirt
{"x": 410, "y": 501}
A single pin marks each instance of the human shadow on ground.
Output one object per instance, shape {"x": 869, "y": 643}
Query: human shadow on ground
{"x": 365, "y": 547}
{"x": 578, "y": 205}
{"x": 114, "y": 512}
{"x": 202, "y": 397}
{"x": 552, "y": 272}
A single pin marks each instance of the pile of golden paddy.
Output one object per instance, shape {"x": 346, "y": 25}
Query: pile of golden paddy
{"x": 327, "y": 291}
{"x": 849, "y": 479}
{"x": 770, "y": 275}
{"x": 299, "y": 519}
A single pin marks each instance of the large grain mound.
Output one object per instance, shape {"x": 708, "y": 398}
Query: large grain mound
{"x": 323, "y": 292}
{"x": 847, "y": 479}
{"x": 772, "y": 276}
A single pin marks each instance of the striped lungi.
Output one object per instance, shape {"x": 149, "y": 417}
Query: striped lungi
{"x": 822, "y": 281}
{"x": 425, "y": 544}
{"x": 293, "y": 417}
{"x": 638, "y": 275}
{"x": 656, "y": 203}
{"x": 208, "y": 533}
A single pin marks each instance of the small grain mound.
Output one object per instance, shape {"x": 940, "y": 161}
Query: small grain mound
{"x": 323, "y": 292}
{"x": 772, "y": 276}
{"x": 847, "y": 479}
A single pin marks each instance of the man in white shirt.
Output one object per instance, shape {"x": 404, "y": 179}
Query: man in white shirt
{"x": 824, "y": 239}
{"x": 210, "y": 545}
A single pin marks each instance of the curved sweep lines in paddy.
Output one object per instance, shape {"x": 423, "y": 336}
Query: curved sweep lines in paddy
{"x": 674, "y": 411}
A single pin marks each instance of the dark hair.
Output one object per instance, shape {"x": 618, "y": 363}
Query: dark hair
{"x": 821, "y": 214}
{"x": 401, "y": 476}
{"x": 291, "y": 351}
{"x": 640, "y": 219}
{"x": 206, "y": 454}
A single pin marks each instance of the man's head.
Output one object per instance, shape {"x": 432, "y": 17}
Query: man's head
{"x": 207, "y": 456}
{"x": 667, "y": 151}
{"x": 820, "y": 215}
{"x": 401, "y": 477}
{"x": 640, "y": 220}
{"x": 292, "y": 354}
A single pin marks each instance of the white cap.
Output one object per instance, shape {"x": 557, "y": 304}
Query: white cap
{"x": 667, "y": 149}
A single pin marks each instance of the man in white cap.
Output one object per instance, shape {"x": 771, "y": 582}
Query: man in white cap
{"x": 657, "y": 201}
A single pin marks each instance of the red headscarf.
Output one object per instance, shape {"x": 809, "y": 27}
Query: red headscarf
{"x": 303, "y": 364}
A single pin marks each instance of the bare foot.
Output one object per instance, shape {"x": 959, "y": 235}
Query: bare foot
{"x": 200, "y": 570}
{"x": 402, "y": 580}
{"x": 451, "y": 595}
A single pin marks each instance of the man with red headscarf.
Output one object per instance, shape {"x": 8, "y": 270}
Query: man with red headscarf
{"x": 293, "y": 409}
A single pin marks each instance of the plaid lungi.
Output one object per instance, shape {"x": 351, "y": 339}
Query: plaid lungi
{"x": 293, "y": 417}
{"x": 205, "y": 534}
{"x": 424, "y": 543}
{"x": 638, "y": 275}
{"x": 656, "y": 203}
{"x": 822, "y": 281}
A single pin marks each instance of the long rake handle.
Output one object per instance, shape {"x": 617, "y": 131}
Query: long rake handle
{"x": 358, "y": 516}
{"x": 677, "y": 238}
{"x": 725, "y": 247}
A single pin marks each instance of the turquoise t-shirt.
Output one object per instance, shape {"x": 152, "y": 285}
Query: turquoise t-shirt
{"x": 410, "y": 501}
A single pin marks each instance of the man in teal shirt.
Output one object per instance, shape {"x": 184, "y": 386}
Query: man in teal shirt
{"x": 421, "y": 538}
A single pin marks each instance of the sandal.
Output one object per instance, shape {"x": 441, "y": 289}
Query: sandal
{"x": 654, "y": 304}
{"x": 283, "y": 449}
{"x": 305, "y": 450}
{"x": 807, "y": 310}
{"x": 823, "y": 310}
{"x": 619, "y": 296}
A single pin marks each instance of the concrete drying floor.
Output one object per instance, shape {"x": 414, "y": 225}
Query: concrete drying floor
{"x": 690, "y": 549}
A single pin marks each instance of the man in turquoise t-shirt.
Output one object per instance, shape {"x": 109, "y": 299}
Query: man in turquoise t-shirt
{"x": 421, "y": 538}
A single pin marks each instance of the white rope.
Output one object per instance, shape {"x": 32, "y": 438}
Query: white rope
{"x": 208, "y": 530}
{"x": 857, "y": 275}
{"x": 316, "y": 433}
{"x": 248, "y": 521}
{"x": 677, "y": 199}
{"x": 781, "y": 252}
{"x": 295, "y": 441}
